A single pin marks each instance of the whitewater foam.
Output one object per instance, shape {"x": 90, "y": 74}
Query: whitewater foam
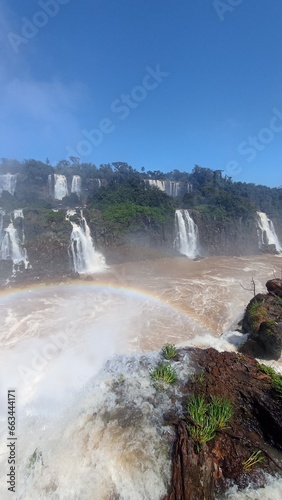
{"x": 109, "y": 440}
{"x": 90, "y": 426}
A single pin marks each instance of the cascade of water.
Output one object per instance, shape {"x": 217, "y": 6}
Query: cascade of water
{"x": 50, "y": 185}
{"x": 12, "y": 240}
{"x": 18, "y": 213}
{"x": 4, "y": 250}
{"x": 158, "y": 184}
{"x": 84, "y": 256}
{"x": 8, "y": 183}
{"x": 76, "y": 185}
{"x": 172, "y": 188}
{"x": 187, "y": 234}
{"x": 60, "y": 187}
{"x": 12, "y": 245}
{"x": 266, "y": 232}
{"x": 2, "y": 213}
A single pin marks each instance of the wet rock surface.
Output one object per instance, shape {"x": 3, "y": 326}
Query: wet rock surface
{"x": 208, "y": 470}
{"x": 274, "y": 287}
{"x": 271, "y": 249}
{"x": 263, "y": 322}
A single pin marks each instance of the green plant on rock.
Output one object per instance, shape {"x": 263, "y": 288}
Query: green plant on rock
{"x": 277, "y": 384}
{"x": 198, "y": 378}
{"x": 220, "y": 412}
{"x": 164, "y": 372}
{"x": 253, "y": 459}
{"x": 276, "y": 378}
{"x": 269, "y": 325}
{"x": 258, "y": 313}
{"x": 268, "y": 370}
{"x": 201, "y": 429}
{"x": 205, "y": 418}
{"x": 169, "y": 351}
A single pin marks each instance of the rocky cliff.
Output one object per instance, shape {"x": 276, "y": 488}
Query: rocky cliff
{"x": 263, "y": 322}
{"x": 47, "y": 238}
{"x": 130, "y": 218}
{"x": 207, "y": 458}
{"x": 226, "y": 235}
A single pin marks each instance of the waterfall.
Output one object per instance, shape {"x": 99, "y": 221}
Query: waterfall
{"x": 12, "y": 240}
{"x": 60, "y": 187}
{"x": 158, "y": 184}
{"x": 172, "y": 188}
{"x": 2, "y": 213}
{"x": 50, "y": 185}
{"x": 187, "y": 234}
{"x": 76, "y": 185}
{"x": 266, "y": 232}
{"x": 3, "y": 242}
{"x": 12, "y": 246}
{"x": 84, "y": 256}
{"x": 8, "y": 183}
{"x": 18, "y": 213}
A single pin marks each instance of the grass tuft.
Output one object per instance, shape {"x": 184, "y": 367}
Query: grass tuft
{"x": 276, "y": 379}
{"x": 207, "y": 417}
{"x": 220, "y": 412}
{"x": 254, "y": 458}
{"x": 164, "y": 372}
{"x": 169, "y": 351}
{"x": 198, "y": 378}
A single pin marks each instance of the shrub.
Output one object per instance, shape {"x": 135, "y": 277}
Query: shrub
{"x": 54, "y": 217}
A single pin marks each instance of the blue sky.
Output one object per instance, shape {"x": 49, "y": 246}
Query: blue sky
{"x": 156, "y": 83}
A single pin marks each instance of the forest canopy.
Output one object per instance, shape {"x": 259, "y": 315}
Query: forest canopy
{"x": 126, "y": 190}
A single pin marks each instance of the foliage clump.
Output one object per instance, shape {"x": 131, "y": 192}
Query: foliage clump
{"x": 257, "y": 313}
{"x": 164, "y": 372}
{"x": 54, "y": 217}
{"x": 276, "y": 379}
{"x": 205, "y": 418}
{"x": 128, "y": 204}
{"x": 169, "y": 351}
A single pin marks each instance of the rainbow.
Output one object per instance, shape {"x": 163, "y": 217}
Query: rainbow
{"x": 8, "y": 296}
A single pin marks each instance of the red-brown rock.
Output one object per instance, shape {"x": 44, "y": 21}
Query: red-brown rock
{"x": 202, "y": 473}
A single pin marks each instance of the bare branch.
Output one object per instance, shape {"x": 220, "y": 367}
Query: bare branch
{"x": 253, "y": 287}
